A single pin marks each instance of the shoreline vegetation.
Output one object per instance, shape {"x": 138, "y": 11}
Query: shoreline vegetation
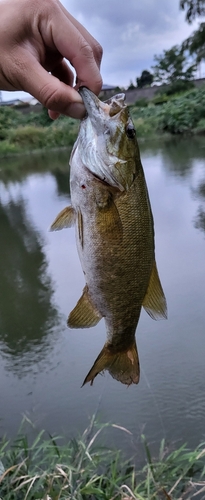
{"x": 83, "y": 469}
{"x": 178, "y": 115}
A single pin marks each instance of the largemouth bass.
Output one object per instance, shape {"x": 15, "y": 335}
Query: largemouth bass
{"x": 114, "y": 233}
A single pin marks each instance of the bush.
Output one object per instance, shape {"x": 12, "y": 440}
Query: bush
{"x": 160, "y": 99}
{"x": 28, "y": 137}
{"x": 39, "y": 119}
{"x": 60, "y": 133}
{"x": 7, "y": 148}
{"x": 141, "y": 103}
{"x": 145, "y": 127}
{"x": 179, "y": 86}
{"x": 182, "y": 114}
{"x": 9, "y": 118}
{"x": 200, "y": 128}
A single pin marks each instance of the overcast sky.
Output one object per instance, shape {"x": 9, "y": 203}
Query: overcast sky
{"x": 131, "y": 33}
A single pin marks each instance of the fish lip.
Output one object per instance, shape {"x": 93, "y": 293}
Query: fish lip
{"x": 98, "y": 115}
{"x": 87, "y": 94}
{"x": 92, "y": 104}
{"x": 95, "y": 107}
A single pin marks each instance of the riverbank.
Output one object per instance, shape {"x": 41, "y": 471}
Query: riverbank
{"x": 176, "y": 115}
{"x": 83, "y": 469}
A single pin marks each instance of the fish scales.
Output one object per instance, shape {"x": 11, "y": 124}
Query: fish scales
{"x": 114, "y": 235}
{"x": 117, "y": 264}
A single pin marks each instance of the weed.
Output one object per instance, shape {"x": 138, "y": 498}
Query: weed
{"x": 79, "y": 470}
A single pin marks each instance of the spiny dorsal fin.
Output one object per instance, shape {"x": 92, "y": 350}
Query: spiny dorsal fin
{"x": 122, "y": 365}
{"x": 65, "y": 219}
{"x": 84, "y": 314}
{"x": 154, "y": 302}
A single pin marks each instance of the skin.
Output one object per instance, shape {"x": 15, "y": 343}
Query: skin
{"x": 35, "y": 38}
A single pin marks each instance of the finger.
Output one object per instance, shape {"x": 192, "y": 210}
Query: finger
{"x": 53, "y": 114}
{"x": 96, "y": 47}
{"x": 49, "y": 90}
{"x": 63, "y": 73}
{"x": 74, "y": 110}
{"x": 74, "y": 47}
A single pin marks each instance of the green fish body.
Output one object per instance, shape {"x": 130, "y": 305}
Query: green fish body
{"x": 114, "y": 234}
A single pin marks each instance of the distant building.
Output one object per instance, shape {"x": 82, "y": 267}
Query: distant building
{"x": 23, "y": 106}
{"x": 107, "y": 91}
{"x": 13, "y": 102}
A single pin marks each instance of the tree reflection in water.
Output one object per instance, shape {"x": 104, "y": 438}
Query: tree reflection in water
{"x": 27, "y": 314}
{"x": 200, "y": 218}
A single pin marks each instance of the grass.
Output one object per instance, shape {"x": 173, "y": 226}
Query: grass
{"x": 180, "y": 114}
{"x": 85, "y": 470}
{"x": 23, "y": 133}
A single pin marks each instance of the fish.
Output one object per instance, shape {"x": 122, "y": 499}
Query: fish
{"x": 114, "y": 229}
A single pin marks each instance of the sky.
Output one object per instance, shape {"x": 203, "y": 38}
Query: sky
{"x": 131, "y": 32}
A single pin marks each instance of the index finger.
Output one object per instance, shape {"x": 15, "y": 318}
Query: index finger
{"x": 96, "y": 47}
{"x": 72, "y": 45}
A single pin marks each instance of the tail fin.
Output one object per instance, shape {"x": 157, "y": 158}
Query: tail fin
{"x": 122, "y": 365}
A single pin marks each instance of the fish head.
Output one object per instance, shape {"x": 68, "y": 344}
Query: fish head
{"x": 107, "y": 142}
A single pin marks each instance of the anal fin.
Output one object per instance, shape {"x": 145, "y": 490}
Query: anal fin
{"x": 84, "y": 314}
{"x": 154, "y": 301}
{"x": 66, "y": 218}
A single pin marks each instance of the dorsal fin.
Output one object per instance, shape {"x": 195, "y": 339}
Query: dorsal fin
{"x": 155, "y": 302}
{"x": 66, "y": 218}
{"x": 84, "y": 314}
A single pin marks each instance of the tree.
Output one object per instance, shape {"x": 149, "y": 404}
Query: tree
{"x": 131, "y": 86}
{"x": 196, "y": 43}
{"x": 173, "y": 65}
{"x": 193, "y": 8}
{"x": 145, "y": 79}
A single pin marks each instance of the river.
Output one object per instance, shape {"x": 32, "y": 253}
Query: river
{"x": 43, "y": 363}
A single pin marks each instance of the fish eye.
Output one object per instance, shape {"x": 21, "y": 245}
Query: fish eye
{"x": 130, "y": 131}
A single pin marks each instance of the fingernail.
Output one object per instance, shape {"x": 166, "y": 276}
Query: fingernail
{"x": 53, "y": 114}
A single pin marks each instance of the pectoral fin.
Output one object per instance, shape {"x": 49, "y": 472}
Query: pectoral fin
{"x": 65, "y": 219}
{"x": 109, "y": 223}
{"x": 155, "y": 302}
{"x": 84, "y": 314}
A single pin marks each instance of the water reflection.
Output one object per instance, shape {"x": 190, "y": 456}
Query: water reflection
{"x": 178, "y": 154}
{"x": 200, "y": 218}
{"x": 169, "y": 402}
{"x": 27, "y": 314}
{"x": 16, "y": 168}
{"x": 62, "y": 181}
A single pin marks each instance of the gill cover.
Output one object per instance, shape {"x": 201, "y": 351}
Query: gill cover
{"x": 105, "y": 144}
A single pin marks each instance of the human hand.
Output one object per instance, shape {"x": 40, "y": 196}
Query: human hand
{"x": 35, "y": 37}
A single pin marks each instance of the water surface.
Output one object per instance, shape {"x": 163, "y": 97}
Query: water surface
{"x": 43, "y": 363}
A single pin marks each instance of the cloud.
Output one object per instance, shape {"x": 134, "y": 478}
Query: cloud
{"x": 131, "y": 32}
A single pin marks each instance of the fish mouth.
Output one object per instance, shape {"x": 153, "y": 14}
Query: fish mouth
{"x": 101, "y": 135}
{"x": 95, "y": 107}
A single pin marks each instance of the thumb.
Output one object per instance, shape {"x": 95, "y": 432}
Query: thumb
{"x": 51, "y": 92}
